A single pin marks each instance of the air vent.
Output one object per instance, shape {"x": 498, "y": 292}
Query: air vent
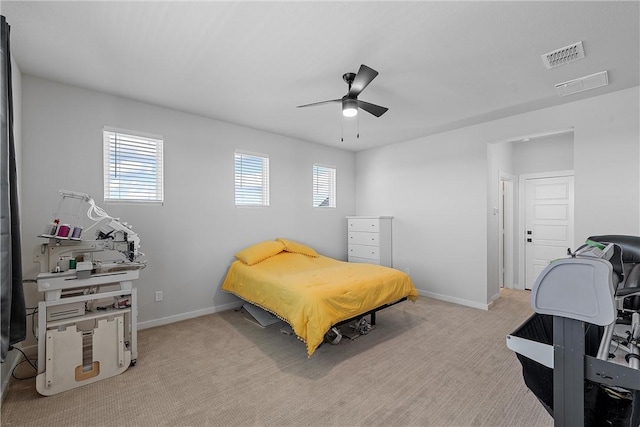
{"x": 583, "y": 83}
{"x": 563, "y": 56}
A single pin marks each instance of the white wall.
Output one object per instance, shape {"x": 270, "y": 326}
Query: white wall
{"x": 438, "y": 188}
{"x": 435, "y": 188}
{"x": 550, "y": 153}
{"x": 190, "y": 241}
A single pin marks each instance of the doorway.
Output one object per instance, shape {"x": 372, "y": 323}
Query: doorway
{"x": 505, "y": 230}
{"x": 542, "y": 155}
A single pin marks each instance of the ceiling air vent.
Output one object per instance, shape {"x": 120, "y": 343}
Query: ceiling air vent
{"x": 583, "y": 83}
{"x": 563, "y": 56}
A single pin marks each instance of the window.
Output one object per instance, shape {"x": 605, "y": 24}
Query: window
{"x": 324, "y": 187}
{"x": 252, "y": 179}
{"x": 132, "y": 167}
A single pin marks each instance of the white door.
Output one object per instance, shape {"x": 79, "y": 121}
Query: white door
{"x": 548, "y": 223}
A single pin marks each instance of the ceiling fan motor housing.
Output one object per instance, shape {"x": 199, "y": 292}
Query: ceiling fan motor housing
{"x": 348, "y": 78}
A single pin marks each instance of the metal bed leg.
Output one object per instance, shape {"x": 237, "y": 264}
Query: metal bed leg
{"x": 568, "y": 372}
{"x": 373, "y": 318}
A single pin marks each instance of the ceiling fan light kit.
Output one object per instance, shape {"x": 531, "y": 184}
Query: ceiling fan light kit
{"x": 349, "y": 107}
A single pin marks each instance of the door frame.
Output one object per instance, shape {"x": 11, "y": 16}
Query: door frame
{"x": 506, "y": 211}
{"x": 521, "y": 217}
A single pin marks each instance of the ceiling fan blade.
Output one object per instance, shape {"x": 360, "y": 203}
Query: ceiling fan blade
{"x": 363, "y": 78}
{"x": 320, "y": 103}
{"x": 374, "y": 109}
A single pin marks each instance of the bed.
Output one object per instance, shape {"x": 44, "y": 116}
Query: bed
{"x": 312, "y": 292}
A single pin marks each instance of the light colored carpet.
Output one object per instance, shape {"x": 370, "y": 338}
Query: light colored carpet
{"x": 425, "y": 364}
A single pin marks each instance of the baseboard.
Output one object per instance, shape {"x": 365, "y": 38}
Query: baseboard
{"x": 189, "y": 315}
{"x": 459, "y": 301}
{"x": 492, "y": 300}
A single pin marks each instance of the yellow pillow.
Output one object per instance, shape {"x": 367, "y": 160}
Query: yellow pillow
{"x": 297, "y": 248}
{"x": 259, "y": 252}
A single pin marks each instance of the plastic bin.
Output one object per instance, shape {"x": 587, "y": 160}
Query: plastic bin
{"x": 601, "y": 409}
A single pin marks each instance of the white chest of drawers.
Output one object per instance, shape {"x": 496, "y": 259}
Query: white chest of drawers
{"x": 369, "y": 239}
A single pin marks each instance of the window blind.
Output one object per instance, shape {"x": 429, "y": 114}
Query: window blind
{"x": 251, "y": 179}
{"x": 133, "y": 169}
{"x": 324, "y": 187}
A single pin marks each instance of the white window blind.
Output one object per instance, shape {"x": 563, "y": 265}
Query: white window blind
{"x": 132, "y": 167}
{"x": 324, "y": 187}
{"x": 252, "y": 179}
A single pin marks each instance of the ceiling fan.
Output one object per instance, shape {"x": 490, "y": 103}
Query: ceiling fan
{"x": 350, "y": 102}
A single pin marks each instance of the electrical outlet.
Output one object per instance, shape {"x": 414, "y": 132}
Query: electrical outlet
{"x": 158, "y": 296}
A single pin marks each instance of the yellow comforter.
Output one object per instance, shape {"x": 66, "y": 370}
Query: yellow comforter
{"x": 313, "y": 294}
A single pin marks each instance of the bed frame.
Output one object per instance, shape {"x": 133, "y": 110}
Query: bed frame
{"x": 370, "y": 312}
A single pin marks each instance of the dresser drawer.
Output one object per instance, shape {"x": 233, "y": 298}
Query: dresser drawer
{"x": 363, "y": 260}
{"x": 363, "y": 224}
{"x": 362, "y": 251}
{"x": 362, "y": 238}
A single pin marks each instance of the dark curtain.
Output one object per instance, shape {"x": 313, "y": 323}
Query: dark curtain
{"x": 12, "y": 306}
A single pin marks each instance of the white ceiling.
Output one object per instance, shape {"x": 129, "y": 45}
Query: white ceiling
{"x": 442, "y": 64}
